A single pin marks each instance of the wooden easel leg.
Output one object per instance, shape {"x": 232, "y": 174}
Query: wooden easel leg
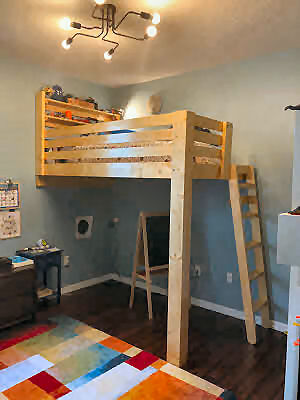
{"x": 179, "y": 285}
{"x": 135, "y": 262}
{"x": 133, "y": 283}
{"x": 149, "y": 299}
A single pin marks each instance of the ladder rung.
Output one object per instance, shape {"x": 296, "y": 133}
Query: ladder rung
{"x": 255, "y": 274}
{"x": 250, "y": 214}
{"x": 260, "y": 303}
{"x": 248, "y": 199}
{"x": 247, "y": 185}
{"x": 252, "y": 244}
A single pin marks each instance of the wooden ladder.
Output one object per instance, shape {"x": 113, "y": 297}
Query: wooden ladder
{"x": 243, "y": 178}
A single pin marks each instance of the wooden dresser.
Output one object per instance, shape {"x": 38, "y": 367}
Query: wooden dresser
{"x": 18, "y": 300}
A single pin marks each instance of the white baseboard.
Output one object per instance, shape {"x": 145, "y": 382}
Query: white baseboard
{"x": 276, "y": 325}
{"x": 87, "y": 283}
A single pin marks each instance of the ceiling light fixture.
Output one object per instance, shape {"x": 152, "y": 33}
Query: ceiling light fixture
{"x": 106, "y": 14}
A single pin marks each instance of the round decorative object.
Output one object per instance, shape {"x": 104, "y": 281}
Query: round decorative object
{"x": 154, "y": 104}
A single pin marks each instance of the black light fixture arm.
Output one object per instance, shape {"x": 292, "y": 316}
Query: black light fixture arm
{"x": 108, "y": 24}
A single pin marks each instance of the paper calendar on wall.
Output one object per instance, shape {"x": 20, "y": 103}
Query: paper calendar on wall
{"x": 9, "y": 196}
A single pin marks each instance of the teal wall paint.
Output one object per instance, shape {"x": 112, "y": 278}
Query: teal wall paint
{"x": 251, "y": 94}
{"x": 49, "y": 213}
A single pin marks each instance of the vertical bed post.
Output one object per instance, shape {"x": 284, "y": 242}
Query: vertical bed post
{"x": 180, "y": 238}
{"x": 39, "y": 135}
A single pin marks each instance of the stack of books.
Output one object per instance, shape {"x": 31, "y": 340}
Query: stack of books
{"x": 20, "y": 262}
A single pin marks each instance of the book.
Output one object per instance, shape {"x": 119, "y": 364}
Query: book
{"x": 18, "y": 262}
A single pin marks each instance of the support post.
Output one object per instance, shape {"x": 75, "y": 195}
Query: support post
{"x": 39, "y": 133}
{"x": 180, "y": 238}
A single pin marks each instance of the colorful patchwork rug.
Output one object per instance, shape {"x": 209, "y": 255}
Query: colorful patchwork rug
{"x": 72, "y": 361}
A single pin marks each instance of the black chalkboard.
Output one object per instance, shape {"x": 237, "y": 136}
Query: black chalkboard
{"x": 158, "y": 235}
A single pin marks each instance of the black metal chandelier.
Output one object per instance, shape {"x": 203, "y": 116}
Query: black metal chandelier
{"x": 106, "y": 15}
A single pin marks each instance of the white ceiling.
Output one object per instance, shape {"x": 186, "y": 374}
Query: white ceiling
{"x": 194, "y": 34}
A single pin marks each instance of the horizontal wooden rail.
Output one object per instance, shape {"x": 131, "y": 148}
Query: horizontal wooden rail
{"x": 94, "y": 140}
{"x": 204, "y": 122}
{"x": 207, "y": 137}
{"x": 125, "y": 152}
{"x": 205, "y": 151}
{"x": 112, "y": 170}
{"x": 157, "y": 121}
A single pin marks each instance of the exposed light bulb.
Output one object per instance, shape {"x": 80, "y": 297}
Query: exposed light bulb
{"x": 99, "y": 2}
{"x": 66, "y": 44}
{"x": 156, "y": 19}
{"x": 151, "y": 31}
{"x": 65, "y": 23}
{"x": 108, "y": 54}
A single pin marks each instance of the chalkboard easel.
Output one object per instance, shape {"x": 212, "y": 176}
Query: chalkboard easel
{"x": 152, "y": 251}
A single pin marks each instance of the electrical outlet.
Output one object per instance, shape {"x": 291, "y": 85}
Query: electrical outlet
{"x": 229, "y": 277}
{"x": 66, "y": 261}
{"x": 197, "y": 270}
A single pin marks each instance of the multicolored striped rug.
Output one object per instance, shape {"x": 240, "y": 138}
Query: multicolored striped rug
{"x": 70, "y": 360}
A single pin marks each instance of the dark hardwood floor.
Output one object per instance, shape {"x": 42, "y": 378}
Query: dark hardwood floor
{"x": 218, "y": 348}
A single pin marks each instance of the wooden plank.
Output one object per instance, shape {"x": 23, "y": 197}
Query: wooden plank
{"x": 242, "y": 256}
{"x": 252, "y": 244}
{"x": 243, "y": 169}
{"x": 206, "y": 137}
{"x": 72, "y": 182}
{"x": 226, "y": 150}
{"x": 180, "y": 235}
{"x": 147, "y": 268}
{"x": 115, "y": 138}
{"x": 65, "y": 121}
{"x": 112, "y": 170}
{"x": 39, "y": 132}
{"x": 248, "y": 200}
{"x": 204, "y": 151}
{"x": 253, "y": 275}
{"x": 75, "y": 108}
{"x": 259, "y": 304}
{"x": 205, "y": 122}
{"x": 135, "y": 123}
{"x": 247, "y": 185}
{"x": 75, "y": 112}
{"x": 258, "y": 252}
{"x": 137, "y": 255}
{"x": 250, "y": 214}
{"x": 125, "y": 152}
{"x": 205, "y": 171}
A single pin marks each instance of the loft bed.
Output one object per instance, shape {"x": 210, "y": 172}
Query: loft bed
{"x": 180, "y": 146}
{"x": 149, "y": 147}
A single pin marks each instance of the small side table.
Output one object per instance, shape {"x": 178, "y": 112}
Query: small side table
{"x": 44, "y": 260}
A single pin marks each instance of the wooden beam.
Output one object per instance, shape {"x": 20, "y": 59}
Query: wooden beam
{"x": 226, "y": 150}
{"x": 111, "y": 170}
{"x": 209, "y": 138}
{"x": 180, "y": 235}
{"x": 205, "y": 151}
{"x": 258, "y": 252}
{"x": 72, "y": 182}
{"x": 39, "y": 132}
{"x": 205, "y": 122}
{"x": 206, "y": 171}
{"x": 115, "y": 138}
{"x": 136, "y": 123}
{"x": 242, "y": 255}
{"x": 123, "y": 152}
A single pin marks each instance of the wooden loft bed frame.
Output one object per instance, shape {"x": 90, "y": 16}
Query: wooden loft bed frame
{"x": 180, "y": 146}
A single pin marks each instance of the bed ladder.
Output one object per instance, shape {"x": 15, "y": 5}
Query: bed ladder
{"x": 243, "y": 179}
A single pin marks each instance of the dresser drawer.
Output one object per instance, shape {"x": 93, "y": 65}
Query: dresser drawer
{"x": 17, "y": 283}
{"x": 14, "y": 309}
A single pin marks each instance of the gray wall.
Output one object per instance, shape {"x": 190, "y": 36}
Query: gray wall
{"x": 49, "y": 213}
{"x": 252, "y": 95}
